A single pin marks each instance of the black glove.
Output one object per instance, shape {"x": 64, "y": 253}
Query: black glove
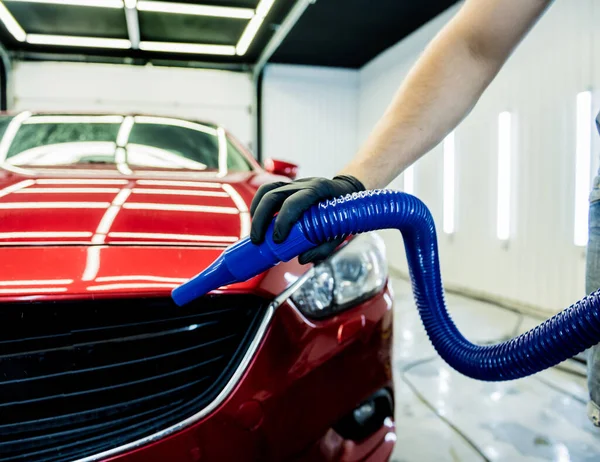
{"x": 292, "y": 200}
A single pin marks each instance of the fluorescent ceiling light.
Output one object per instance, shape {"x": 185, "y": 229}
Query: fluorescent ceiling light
{"x": 449, "y": 183}
{"x": 583, "y": 157}
{"x": 198, "y": 10}
{"x": 71, "y": 41}
{"x": 191, "y": 48}
{"x": 409, "y": 180}
{"x": 11, "y": 24}
{"x": 248, "y": 35}
{"x": 264, "y": 7}
{"x": 95, "y": 3}
{"x": 504, "y": 175}
{"x": 253, "y": 26}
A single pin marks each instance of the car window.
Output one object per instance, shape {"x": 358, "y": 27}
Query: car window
{"x": 140, "y": 141}
{"x": 4, "y": 121}
{"x": 63, "y": 143}
{"x": 199, "y": 147}
{"x": 235, "y": 159}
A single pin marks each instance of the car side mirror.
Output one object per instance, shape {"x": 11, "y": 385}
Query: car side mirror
{"x": 281, "y": 167}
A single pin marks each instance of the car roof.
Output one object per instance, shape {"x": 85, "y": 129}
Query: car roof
{"x": 109, "y": 113}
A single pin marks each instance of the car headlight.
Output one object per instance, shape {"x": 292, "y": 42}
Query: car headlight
{"x": 353, "y": 274}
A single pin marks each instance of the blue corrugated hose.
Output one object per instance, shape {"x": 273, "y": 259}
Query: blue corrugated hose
{"x": 557, "y": 339}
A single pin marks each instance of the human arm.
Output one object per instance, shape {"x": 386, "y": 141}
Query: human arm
{"x": 440, "y": 90}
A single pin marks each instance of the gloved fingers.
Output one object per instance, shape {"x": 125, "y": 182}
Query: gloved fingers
{"x": 264, "y": 189}
{"x": 291, "y": 210}
{"x": 320, "y": 253}
{"x": 263, "y": 215}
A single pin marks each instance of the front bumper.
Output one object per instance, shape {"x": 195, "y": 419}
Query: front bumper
{"x": 332, "y": 447}
{"x": 304, "y": 377}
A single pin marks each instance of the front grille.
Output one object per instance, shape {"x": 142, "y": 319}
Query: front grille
{"x": 78, "y": 378}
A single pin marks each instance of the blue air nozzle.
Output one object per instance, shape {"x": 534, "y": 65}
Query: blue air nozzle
{"x": 242, "y": 261}
{"x": 555, "y": 340}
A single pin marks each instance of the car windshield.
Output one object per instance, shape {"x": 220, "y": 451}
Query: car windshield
{"x": 125, "y": 141}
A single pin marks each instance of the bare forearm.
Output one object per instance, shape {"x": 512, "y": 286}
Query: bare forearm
{"x": 434, "y": 98}
{"x": 440, "y": 90}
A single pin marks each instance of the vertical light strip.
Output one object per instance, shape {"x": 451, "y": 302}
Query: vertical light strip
{"x": 409, "y": 180}
{"x": 583, "y": 154}
{"x": 504, "y": 174}
{"x": 449, "y": 183}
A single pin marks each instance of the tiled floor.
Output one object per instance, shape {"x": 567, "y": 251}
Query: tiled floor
{"x": 443, "y": 416}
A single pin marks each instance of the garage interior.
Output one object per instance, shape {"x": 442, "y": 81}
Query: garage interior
{"x": 305, "y": 81}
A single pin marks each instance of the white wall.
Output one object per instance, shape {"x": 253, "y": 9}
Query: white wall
{"x": 216, "y": 96}
{"x": 540, "y": 266}
{"x": 310, "y": 117}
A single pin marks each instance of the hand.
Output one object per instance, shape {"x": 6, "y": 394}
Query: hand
{"x": 292, "y": 200}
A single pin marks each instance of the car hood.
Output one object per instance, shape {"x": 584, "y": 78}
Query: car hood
{"x": 59, "y": 210}
{"x": 41, "y": 273}
{"x": 76, "y": 235}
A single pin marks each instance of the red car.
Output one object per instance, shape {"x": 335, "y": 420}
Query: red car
{"x": 101, "y": 217}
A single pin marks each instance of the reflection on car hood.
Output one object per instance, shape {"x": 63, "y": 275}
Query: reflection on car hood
{"x": 100, "y": 210}
{"x": 48, "y": 272}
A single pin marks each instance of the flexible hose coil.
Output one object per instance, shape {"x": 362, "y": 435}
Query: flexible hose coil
{"x": 555, "y": 340}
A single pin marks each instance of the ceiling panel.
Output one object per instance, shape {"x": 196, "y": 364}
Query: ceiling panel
{"x": 75, "y": 22}
{"x": 343, "y": 33}
{"x": 194, "y": 29}
{"x": 39, "y": 18}
{"x": 350, "y": 33}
